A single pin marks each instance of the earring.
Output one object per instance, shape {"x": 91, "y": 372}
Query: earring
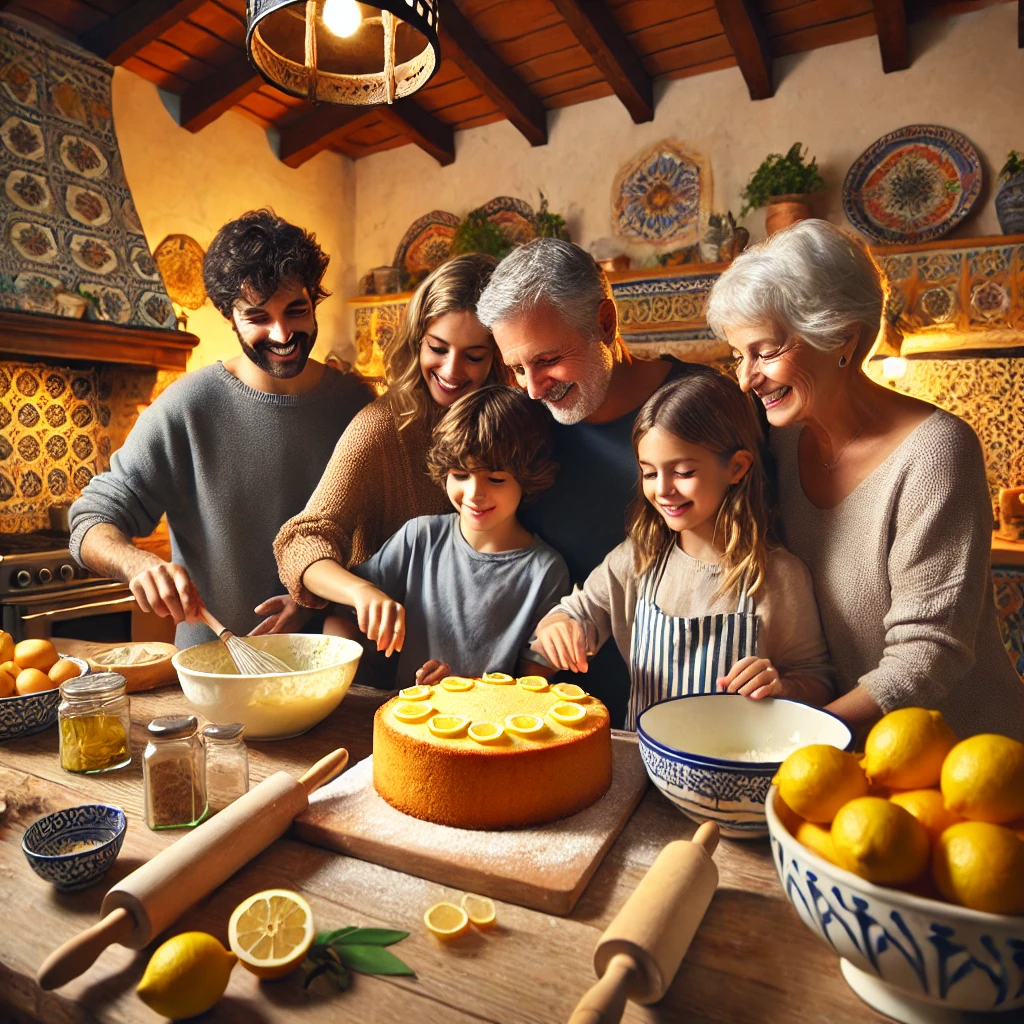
{"x": 842, "y": 360}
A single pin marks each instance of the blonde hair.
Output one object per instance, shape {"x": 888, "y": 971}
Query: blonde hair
{"x": 708, "y": 408}
{"x": 454, "y": 287}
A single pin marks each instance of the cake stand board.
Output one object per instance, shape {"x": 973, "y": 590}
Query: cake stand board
{"x": 546, "y": 867}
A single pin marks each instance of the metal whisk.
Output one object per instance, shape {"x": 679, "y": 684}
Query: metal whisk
{"x": 249, "y": 660}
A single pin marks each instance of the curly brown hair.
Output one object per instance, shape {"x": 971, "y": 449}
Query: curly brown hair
{"x": 496, "y": 428}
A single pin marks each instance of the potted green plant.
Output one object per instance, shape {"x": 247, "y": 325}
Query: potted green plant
{"x": 1010, "y": 195}
{"x": 550, "y": 225}
{"x": 477, "y": 234}
{"x": 782, "y": 183}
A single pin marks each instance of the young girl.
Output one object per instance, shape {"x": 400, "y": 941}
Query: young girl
{"x": 697, "y": 597}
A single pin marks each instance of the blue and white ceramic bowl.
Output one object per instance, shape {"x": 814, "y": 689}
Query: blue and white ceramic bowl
{"x": 23, "y": 716}
{"x": 912, "y": 958}
{"x": 714, "y": 755}
{"x": 74, "y": 848}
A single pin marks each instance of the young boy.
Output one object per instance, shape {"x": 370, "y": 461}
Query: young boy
{"x": 463, "y": 592}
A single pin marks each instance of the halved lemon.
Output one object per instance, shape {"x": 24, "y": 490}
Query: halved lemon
{"x": 271, "y": 932}
{"x": 479, "y": 909}
{"x": 535, "y": 684}
{"x": 524, "y": 725}
{"x": 447, "y": 725}
{"x": 498, "y": 678}
{"x": 457, "y": 683}
{"x": 413, "y": 711}
{"x": 569, "y": 691}
{"x": 416, "y": 692}
{"x": 486, "y": 732}
{"x": 568, "y": 714}
{"x": 446, "y": 920}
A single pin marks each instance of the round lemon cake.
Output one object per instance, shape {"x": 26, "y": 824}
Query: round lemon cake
{"x": 492, "y": 753}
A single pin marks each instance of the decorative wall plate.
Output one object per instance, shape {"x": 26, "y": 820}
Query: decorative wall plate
{"x": 180, "y": 259}
{"x": 513, "y": 217}
{"x": 427, "y": 243}
{"x": 662, "y": 195}
{"x": 912, "y": 185}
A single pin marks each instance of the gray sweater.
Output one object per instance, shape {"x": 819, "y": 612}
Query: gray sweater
{"x": 901, "y": 569}
{"x": 229, "y": 465}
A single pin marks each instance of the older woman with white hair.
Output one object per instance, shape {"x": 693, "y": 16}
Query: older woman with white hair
{"x": 883, "y": 496}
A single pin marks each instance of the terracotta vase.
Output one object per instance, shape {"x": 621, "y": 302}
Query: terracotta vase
{"x": 785, "y": 211}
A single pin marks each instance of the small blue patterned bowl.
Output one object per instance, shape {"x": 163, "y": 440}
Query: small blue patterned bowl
{"x": 23, "y": 716}
{"x": 715, "y": 760}
{"x": 74, "y": 848}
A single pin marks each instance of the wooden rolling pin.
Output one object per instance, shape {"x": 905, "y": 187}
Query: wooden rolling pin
{"x": 153, "y": 897}
{"x": 640, "y": 951}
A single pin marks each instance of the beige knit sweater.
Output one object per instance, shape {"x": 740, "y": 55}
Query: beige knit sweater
{"x": 901, "y": 570}
{"x": 375, "y": 482}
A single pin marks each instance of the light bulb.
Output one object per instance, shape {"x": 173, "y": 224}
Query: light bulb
{"x": 342, "y": 17}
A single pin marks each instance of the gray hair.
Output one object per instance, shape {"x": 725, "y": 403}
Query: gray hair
{"x": 811, "y": 280}
{"x": 546, "y": 270}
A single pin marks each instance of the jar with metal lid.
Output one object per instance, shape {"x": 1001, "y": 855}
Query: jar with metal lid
{"x": 94, "y": 723}
{"x": 227, "y": 765}
{"x": 174, "y": 773}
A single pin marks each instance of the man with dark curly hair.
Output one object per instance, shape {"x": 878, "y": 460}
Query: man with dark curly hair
{"x": 229, "y": 452}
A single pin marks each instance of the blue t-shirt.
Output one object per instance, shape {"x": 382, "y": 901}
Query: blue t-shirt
{"x": 476, "y": 610}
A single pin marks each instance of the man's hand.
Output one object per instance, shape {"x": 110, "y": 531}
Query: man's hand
{"x": 166, "y": 589}
{"x": 380, "y": 618}
{"x": 283, "y": 615}
{"x": 562, "y": 642}
{"x": 432, "y": 672}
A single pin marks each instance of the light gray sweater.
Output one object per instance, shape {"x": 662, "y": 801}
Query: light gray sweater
{"x": 901, "y": 570}
{"x": 229, "y": 465}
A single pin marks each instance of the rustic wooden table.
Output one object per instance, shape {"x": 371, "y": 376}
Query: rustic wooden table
{"x": 753, "y": 959}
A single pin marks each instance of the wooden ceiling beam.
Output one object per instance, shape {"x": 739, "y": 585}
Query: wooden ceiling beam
{"x": 122, "y": 36}
{"x": 204, "y": 102}
{"x": 319, "y": 130}
{"x": 479, "y": 63}
{"x": 591, "y": 22}
{"x": 891, "y": 26}
{"x": 745, "y": 31}
{"x": 431, "y": 135}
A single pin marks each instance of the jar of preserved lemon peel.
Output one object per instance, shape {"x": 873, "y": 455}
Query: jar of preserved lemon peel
{"x": 94, "y": 723}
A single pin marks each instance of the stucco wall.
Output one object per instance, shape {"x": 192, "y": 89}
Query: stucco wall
{"x": 190, "y": 184}
{"x": 967, "y": 73}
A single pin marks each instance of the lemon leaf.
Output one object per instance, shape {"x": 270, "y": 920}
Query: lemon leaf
{"x": 370, "y": 937}
{"x": 372, "y": 960}
{"x": 326, "y": 938}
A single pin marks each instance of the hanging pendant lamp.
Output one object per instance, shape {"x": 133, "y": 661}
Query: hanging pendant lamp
{"x": 341, "y": 51}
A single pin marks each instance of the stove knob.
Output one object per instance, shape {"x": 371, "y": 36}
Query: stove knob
{"x": 23, "y": 578}
{"x": 44, "y": 576}
{"x": 67, "y": 573}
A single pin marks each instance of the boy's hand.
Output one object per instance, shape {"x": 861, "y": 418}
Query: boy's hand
{"x": 432, "y": 672}
{"x": 752, "y": 677}
{"x": 561, "y": 640}
{"x": 380, "y": 618}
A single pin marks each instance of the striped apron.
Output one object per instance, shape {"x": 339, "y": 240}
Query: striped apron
{"x": 674, "y": 657}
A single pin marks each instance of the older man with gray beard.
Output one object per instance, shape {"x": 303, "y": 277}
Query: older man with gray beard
{"x": 550, "y": 308}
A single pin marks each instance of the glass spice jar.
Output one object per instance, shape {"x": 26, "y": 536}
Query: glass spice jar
{"x": 227, "y": 765}
{"x": 94, "y": 723}
{"x": 174, "y": 773}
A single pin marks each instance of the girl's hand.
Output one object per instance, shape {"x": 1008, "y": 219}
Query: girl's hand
{"x": 380, "y": 618}
{"x": 432, "y": 672}
{"x": 561, "y": 640}
{"x": 752, "y": 677}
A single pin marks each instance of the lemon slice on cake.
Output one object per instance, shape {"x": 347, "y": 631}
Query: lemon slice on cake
{"x": 446, "y": 920}
{"x": 569, "y": 691}
{"x": 271, "y": 932}
{"x": 448, "y": 725}
{"x": 524, "y": 725}
{"x": 413, "y": 711}
{"x": 416, "y": 692}
{"x": 456, "y": 684}
{"x": 486, "y": 732}
{"x": 566, "y": 713}
{"x": 498, "y": 678}
{"x": 535, "y": 684}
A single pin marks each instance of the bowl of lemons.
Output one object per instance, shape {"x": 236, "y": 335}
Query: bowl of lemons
{"x": 30, "y": 676}
{"x": 909, "y": 861}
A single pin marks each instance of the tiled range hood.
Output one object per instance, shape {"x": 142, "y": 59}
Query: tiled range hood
{"x": 71, "y": 234}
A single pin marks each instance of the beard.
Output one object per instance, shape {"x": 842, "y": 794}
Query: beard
{"x": 582, "y": 397}
{"x": 259, "y": 355}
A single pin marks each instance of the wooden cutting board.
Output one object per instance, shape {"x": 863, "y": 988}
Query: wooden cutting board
{"x": 544, "y": 868}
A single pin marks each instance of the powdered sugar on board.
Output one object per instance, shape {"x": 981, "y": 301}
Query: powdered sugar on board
{"x": 545, "y": 867}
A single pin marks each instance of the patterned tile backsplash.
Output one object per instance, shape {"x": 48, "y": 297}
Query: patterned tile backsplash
{"x": 58, "y": 427}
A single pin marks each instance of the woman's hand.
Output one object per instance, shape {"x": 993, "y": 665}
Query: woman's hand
{"x": 432, "y": 672}
{"x": 562, "y": 641}
{"x": 283, "y": 615}
{"x": 752, "y": 677}
{"x": 380, "y": 618}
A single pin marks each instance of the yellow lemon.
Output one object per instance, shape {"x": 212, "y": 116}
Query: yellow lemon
{"x": 486, "y": 732}
{"x": 817, "y": 838}
{"x": 413, "y": 711}
{"x": 446, "y": 920}
{"x": 479, "y": 909}
{"x": 569, "y": 691}
{"x": 40, "y": 654}
{"x": 983, "y": 779}
{"x": 7, "y": 688}
{"x": 33, "y": 680}
{"x": 789, "y": 818}
{"x": 926, "y": 805}
{"x": 271, "y": 932}
{"x": 6, "y": 646}
{"x": 880, "y": 841}
{"x": 416, "y": 692}
{"x": 448, "y": 725}
{"x": 498, "y": 678}
{"x": 535, "y": 684}
{"x": 63, "y": 670}
{"x": 524, "y": 725}
{"x": 186, "y": 975}
{"x": 567, "y": 713}
{"x": 906, "y": 748}
{"x": 456, "y": 684}
{"x": 981, "y": 866}
{"x": 815, "y": 781}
